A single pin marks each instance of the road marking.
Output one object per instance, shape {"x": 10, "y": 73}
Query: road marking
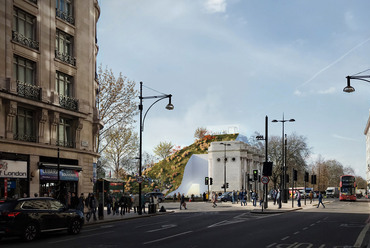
{"x": 151, "y": 224}
{"x": 296, "y": 233}
{"x": 312, "y": 224}
{"x": 164, "y": 227}
{"x": 362, "y": 235}
{"x": 169, "y": 237}
{"x": 271, "y": 245}
{"x": 79, "y": 237}
{"x": 285, "y": 238}
{"x": 304, "y": 228}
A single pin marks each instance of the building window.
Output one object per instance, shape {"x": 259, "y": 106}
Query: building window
{"x": 64, "y": 10}
{"x": 24, "y": 127}
{"x": 64, "y": 87}
{"x": 24, "y": 29}
{"x": 65, "y": 133}
{"x": 63, "y": 47}
{"x": 24, "y": 71}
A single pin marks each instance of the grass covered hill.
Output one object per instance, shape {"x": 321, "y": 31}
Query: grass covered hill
{"x": 168, "y": 173}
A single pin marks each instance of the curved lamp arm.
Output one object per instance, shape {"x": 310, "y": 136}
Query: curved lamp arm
{"x": 349, "y": 88}
{"x": 169, "y": 106}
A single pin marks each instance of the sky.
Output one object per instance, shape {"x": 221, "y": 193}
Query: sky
{"x": 230, "y": 63}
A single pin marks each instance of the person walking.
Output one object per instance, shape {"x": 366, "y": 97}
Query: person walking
{"x": 182, "y": 201}
{"x": 80, "y": 205}
{"x": 311, "y": 196}
{"x": 91, "y": 204}
{"x": 254, "y": 198}
{"x": 233, "y": 197}
{"x": 243, "y": 198}
{"x": 121, "y": 204}
{"x": 74, "y": 201}
{"x": 214, "y": 200}
{"x": 274, "y": 193}
{"x": 278, "y": 198}
{"x": 320, "y": 200}
{"x": 298, "y": 198}
{"x": 109, "y": 204}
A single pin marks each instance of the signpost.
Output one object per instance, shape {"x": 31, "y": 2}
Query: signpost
{"x": 265, "y": 179}
{"x": 139, "y": 179}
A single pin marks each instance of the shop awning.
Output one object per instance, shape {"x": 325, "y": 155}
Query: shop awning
{"x": 43, "y": 165}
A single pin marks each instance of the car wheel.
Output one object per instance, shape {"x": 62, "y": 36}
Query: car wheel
{"x": 30, "y": 232}
{"x": 75, "y": 227}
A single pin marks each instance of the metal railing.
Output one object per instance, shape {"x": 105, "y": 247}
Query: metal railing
{"x": 28, "y": 90}
{"x": 65, "y": 16}
{"x": 68, "y": 102}
{"x": 21, "y": 39}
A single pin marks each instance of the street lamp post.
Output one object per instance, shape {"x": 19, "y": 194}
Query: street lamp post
{"x": 169, "y": 107}
{"x": 225, "y": 144}
{"x": 260, "y": 137}
{"x": 349, "y": 88}
{"x": 284, "y": 190}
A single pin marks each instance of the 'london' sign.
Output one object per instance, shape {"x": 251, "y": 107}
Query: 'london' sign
{"x": 13, "y": 169}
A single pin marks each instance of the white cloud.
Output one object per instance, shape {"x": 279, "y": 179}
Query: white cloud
{"x": 331, "y": 90}
{"x": 297, "y": 93}
{"x": 344, "y": 138}
{"x": 215, "y": 6}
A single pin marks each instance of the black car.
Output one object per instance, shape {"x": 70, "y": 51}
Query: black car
{"x": 28, "y": 217}
{"x": 226, "y": 196}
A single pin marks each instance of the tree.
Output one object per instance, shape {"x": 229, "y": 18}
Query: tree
{"x": 122, "y": 147}
{"x": 163, "y": 149}
{"x": 116, "y": 104}
{"x": 297, "y": 152}
{"x": 200, "y": 132}
{"x": 361, "y": 182}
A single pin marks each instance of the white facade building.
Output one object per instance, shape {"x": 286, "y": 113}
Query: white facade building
{"x": 367, "y": 133}
{"x": 241, "y": 160}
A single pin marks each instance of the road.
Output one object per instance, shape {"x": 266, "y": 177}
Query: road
{"x": 340, "y": 224}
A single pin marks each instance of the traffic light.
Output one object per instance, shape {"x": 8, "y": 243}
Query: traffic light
{"x": 206, "y": 180}
{"x": 306, "y": 177}
{"x": 267, "y": 169}
{"x": 227, "y": 185}
{"x": 255, "y": 175}
{"x": 210, "y": 181}
{"x": 313, "y": 179}
{"x": 295, "y": 175}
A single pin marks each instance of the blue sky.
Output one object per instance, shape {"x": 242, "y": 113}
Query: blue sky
{"x": 229, "y": 63}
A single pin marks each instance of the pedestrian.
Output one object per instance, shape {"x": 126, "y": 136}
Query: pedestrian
{"x": 204, "y": 197}
{"x": 243, "y": 198}
{"x": 91, "y": 204}
{"x": 214, "y": 200}
{"x": 278, "y": 198}
{"x": 80, "y": 205}
{"x": 136, "y": 203}
{"x": 114, "y": 204}
{"x": 274, "y": 193}
{"x": 233, "y": 197}
{"x": 182, "y": 201}
{"x": 109, "y": 204}
{"x": 254, "y": 198}
{"x": 143, "y": 201}
{"x": 74, "y": 201}
{"x": 320, "y": 200}
{"x": 298, "y": 198}
{"x": 311, "y": 196}
{"x": 174, "y": 197}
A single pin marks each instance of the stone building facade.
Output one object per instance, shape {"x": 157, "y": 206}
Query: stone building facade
{"x": 241, "y": 160}
{"x": 48, "y": 88}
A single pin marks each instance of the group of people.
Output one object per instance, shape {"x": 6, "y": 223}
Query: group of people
{"x": 126, "y": 202}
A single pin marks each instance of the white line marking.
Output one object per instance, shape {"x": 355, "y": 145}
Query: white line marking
{"x": 79, "y": 236}
{"x": 362, "y": 235}
{"x": 312, "y": 224}
{"x": 164, "y": 227}
{"x": 296, "y": 233}
{"x": 304, "y": 228}
{"x": 271, "y": 245}
{"x": 172, "y": 236}
{"x": 285, "y": 238}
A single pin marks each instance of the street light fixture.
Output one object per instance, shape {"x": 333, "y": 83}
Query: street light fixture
{"x": 349, "y": 88}
{"x": 169, "y": 107}
{"x": 225, "y": 144}
{"x": 284, "y": 190}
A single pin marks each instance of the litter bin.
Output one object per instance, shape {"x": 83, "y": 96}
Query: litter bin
{"x": 101, "y": 211}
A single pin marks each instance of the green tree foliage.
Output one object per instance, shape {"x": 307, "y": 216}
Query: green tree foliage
{"x": 163, "y": 149}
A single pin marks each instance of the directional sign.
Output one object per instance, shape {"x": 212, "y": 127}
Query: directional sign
{"x": 265, "y": 179}
{"x": 139, "y": 179}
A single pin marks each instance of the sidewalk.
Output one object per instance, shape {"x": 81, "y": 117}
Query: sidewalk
{"x": 174, "y": 207}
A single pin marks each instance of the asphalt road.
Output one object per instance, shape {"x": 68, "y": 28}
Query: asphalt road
{"x": 340, "y": 224}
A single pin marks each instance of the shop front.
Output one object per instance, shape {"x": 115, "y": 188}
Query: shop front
{"x": 51, "y": 185}
{"x": 13, "y": 179}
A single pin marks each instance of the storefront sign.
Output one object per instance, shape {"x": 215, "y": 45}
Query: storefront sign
{"x": 64, "y": 175}
{"x": 13, "y": 169}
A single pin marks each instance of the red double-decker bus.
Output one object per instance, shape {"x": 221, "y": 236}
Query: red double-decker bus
{"x": 347, "y": 188}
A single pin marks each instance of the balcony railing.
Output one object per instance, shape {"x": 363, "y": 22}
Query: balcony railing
{"x": 65, "y": 16}
{"x": 28, "y": 90}
{"x": 21, "y": 39}
{"x": 65, "y": 143}
{"x": 33, "y": 1}
{"x": 24, "y": 137}
{"x": 68, "y": 102}
{"x": 65, "y": 58}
